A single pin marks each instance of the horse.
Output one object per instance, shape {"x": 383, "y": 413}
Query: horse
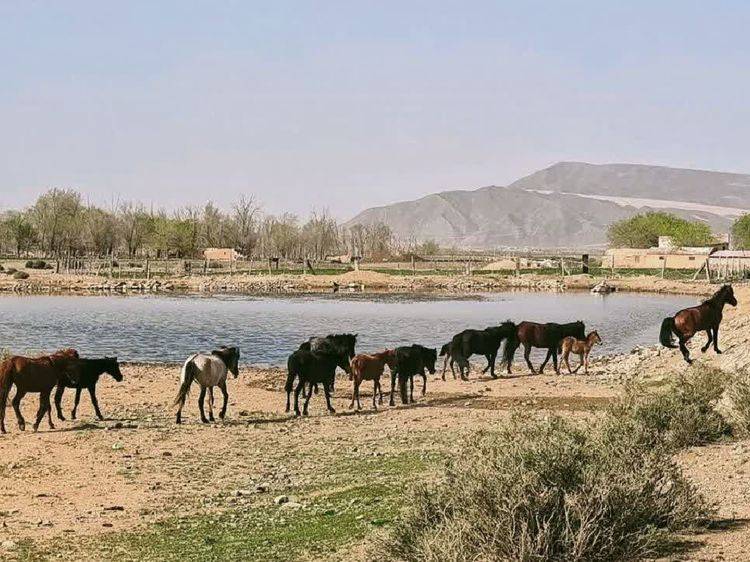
{"x": 445, "y": 351}
{"x": 689, "y": 321}
{"x": 582, "y": 348}
{"x": 545, "y": 336}
{"x": 39, "y": 374}
{"x": 410, "y": 361}
{"x": 345, "y": 342}
{"x": 85, "y": 373}
{"x": 482, "y": 342}
{"x": 370, "y": 368}
{"x": 313, "y": 367}
{"x": 209, "y": 370}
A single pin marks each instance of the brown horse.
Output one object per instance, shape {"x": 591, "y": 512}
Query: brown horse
{"x": 370, "y": 368}
{"x": 689, "y": 321}
{"x": 582, "y": 348}
{"x": 546, "y": 336}
{"x": 39, "y": 374}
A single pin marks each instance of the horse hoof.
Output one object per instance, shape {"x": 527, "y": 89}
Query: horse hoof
{"x": 204, "y": 420}
{"x": 332, "y": 411}
{"x": 719, "y": 351}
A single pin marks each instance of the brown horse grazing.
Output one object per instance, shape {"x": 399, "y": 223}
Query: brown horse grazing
{"x": 689, "y": 321}
{"x": 582, "y": 348}
{"x": 39, "y": 374}
{"x": 370, "y": 368}
{"x": 546, "y": 336}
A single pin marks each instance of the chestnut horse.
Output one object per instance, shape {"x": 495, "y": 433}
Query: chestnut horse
{"x": 366, "y": 367}
{"x": 689, "y": 321}
{"x": 38, "y": 375}
{"x": 582, "y": 348}
{"x": 546, "y": 336}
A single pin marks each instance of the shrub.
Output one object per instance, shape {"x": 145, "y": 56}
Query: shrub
{"x": 10, "y": 271}
{"x": 682, "y": 415}
{"x": 1, "y": 267}
{"x": 738, "y": 393}
{"x": 36, "y": 264}
{"x": 20, "y": 275}
{"x": 548, "y": 490}
{"x": 643, "y": 231}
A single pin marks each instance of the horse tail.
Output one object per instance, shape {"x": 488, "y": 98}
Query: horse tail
{"x": 291, "y": 365}
{"x": 189, "y": 370}
{"x": 667, "y": 329}
{"x": 7, "y": 372}
{"x": 509, "y": 351}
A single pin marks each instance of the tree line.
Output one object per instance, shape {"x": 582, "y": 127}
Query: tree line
{"x": 60, "y": 223}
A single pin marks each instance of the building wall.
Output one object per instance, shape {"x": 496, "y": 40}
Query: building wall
{"x": 634, "y": 258}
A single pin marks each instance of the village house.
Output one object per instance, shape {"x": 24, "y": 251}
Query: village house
{"x": 222, "y": 254}
{"x": 666, "y": 255}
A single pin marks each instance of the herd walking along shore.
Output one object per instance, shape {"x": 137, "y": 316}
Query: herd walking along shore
{"x": 314, "y": 365}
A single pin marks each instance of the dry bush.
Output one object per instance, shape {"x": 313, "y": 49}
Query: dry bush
{"x": 682, "y": 415}
{"x": 548, "y": 490}
{"x": 738, "y": 393}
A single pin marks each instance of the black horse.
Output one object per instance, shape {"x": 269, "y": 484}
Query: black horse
{"x": 85, "y": 373}
{"x": 480, "y": 342}
{"x": 546, "y": 336}
{"x": 445, "y": 351}
{"x": 313, "y": 367}
{"x": 344, "y": 343}
{"x": 410, "y": 361}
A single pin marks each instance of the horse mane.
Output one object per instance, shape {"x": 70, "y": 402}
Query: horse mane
{"x": 715, "y": 297}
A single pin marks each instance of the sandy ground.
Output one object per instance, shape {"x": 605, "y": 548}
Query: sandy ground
{"x": 137, "y": 467}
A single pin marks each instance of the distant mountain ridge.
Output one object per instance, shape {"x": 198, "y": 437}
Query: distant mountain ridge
{"x": 569, "y": 204}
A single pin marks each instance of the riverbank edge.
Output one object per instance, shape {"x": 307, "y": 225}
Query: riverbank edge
{"x": 352, "y": 282}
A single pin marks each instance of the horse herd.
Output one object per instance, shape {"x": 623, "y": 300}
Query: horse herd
{"x": 315, "y": 363}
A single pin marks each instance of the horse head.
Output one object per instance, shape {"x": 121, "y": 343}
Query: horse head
{"x": 429, "y": 357}
{"x": 445, "y": 349}
{"x": 578, "y": 330}
{"x": 594, "y": 338}
{"x": 112, "y": 367}
{"x": 728, "y": 295}
{"x": 231, "y": 358}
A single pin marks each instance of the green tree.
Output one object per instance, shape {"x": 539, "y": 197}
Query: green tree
{"x": 643, "y": 231}
{"x": 18, "y": 229}
{"x": 741, "y": 232}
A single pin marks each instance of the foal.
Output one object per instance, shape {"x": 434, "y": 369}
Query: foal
{"x": 370, "y": 368}
{"x": 208, "y": 369}
{"x": 85, "y": 373}
{"x": 582, "y": 348}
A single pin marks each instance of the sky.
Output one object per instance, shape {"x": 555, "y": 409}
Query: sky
{"x": 342, "y": 105}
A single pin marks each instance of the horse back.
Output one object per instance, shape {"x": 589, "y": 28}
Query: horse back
{"x": 697, "y": 318}
{"x": 37, "y": 374}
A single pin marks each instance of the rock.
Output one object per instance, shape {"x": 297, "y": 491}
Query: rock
{"x": 292, "y": 505}
{"x": 262, "y": 488}
{"x": 281, "y": 500}
{"x": 8, "y": 545}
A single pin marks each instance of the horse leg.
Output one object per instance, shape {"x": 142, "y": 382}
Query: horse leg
{"x": 43, "y": 405}
{"x": 75, "y": 403}
{"x": 554, "y": 361}
{"x": 354, "y": 393}
{"x": 411, "y": 388}
{"x": 201, "y": 398}
{"x": 307, "y": 401}
{"x": 487, "y": 368}
{"x": 581, "y": 357}
{"x": 225, "y": 394}
{"x": 211, "y": 403}
{"x": 716, "y": 340}
{"x": 359, "y": 405}
{"x": 685, "y": 351}
{"x": 445, "y": 364}
{"x": 3, "y": 404}
{"x": 544, "y": 363}
{"x": 424, "y": 384}
{"x": 492, "y": 359}
{"x": 95, "y": 402}
{"x": 58, "y": 401}
{"x": 708, "y": 343}
{"x": 526, "y": 355}
{"x": 297, "y": 391}
{"x": 585, "y": 363}
{"x": 375, "y": 386}
{"x": 327, "y": 391}
{"x": 453, "y": 372}
{"x": 17, "y": 408}
{"x": 393, "y": 387}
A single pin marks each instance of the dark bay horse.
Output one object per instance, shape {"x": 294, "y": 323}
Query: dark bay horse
{"x": 689, "y": 321}
{"x": 341, "y": 342}
{"x": 480, "y": 342}
{"x": 369, "y": 367}
{"x": 411, "y": 361}
{"x": 36, "y": 375}
{"x": 85, "y": 373}
{"x": 546, "y": 336}
{"x": 313, "y": 367}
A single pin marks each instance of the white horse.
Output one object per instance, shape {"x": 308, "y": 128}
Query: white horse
{"x": 209, "y": 370}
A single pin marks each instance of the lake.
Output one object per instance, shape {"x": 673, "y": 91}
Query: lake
{"x": 268, "y": 328}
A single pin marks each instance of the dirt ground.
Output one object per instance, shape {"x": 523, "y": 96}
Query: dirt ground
{"x": 91, "y": 490}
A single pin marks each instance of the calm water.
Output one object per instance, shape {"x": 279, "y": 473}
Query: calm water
{"x": 267, "y": 329}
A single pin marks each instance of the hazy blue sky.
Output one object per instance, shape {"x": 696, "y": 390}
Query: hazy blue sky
{"x": 348, "y": 104}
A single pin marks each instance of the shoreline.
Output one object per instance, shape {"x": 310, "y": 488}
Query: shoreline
{"x": 355, "y": 282}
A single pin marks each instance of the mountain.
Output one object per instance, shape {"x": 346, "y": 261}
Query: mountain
{"x": 569, "y": 204}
